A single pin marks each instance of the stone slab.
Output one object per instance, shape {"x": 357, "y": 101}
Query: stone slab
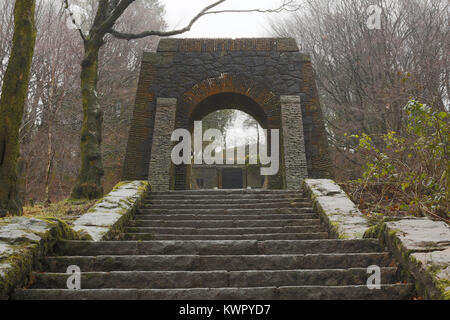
{"x": 421, "y": 234}
{"x": 112, "y": 211}
{"x": 335, "y": 207}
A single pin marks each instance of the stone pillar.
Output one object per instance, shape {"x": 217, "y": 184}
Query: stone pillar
{"x": 160, "y": 162}
{"x": 296, "y": 167}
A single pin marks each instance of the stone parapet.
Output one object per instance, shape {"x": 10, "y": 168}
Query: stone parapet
{"x": 107, "y": 218}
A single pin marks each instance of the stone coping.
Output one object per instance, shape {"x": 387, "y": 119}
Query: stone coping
{"x": 420, "y": 244}
{"x": 107, "y": 218}
{"x": 23, "y": 243}
{"x": 423, "y": 247}
{"x": 342, "y": 216}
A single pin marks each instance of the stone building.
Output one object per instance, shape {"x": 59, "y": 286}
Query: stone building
{"x": 186, "y": 79}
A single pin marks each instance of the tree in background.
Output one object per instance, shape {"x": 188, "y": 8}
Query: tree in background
{"x": 50, "y": 130}
{"x": 366, "y": 76}
{"x": 397, "y": 156}
{"x": 12, "y": 102}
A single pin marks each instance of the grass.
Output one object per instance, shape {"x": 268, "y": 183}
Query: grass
{"x": 63, "y": 210}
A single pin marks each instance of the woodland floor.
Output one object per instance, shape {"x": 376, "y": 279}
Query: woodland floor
{"x": 67, "y": 210}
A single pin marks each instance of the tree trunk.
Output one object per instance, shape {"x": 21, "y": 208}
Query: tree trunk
{"x": 12, "y": 102}
{"x": 88, "y": 184}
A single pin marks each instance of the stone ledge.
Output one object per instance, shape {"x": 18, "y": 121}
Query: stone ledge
{"x": 23, "y": 242}
{"x": 107, "y": 218}
{"x": 423, "y": 247}
{"x": 343, "y": 218}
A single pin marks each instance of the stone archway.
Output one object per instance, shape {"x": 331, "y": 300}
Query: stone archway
{"x": 187, "y": 78}
{"x": 227, "y": 92}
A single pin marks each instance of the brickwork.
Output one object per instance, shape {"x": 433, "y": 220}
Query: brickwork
{"x": 293, "y": 142}
{"x": 206, "y": 75}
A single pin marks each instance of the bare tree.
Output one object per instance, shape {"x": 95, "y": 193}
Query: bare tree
{"x": 12, "y": 102}
{"x": 365, "y": 75}
{"x": 50, "y": 131}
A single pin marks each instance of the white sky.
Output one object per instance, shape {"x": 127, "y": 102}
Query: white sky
{"x": 226, "y": 25}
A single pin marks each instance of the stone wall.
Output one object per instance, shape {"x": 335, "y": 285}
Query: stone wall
{"x": 423, "y": 247}
{"x": 257, "y": 71}
{"x": 336, "y": 210}
{"x": 23, "y": 243}
{"x": 106, "y": 219}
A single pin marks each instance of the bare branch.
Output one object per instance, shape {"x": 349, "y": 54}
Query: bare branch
{"x": 288, "y": 5}
{"x": 130, "y": 36}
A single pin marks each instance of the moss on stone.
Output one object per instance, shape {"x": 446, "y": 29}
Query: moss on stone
{"x": 28, "y": 255}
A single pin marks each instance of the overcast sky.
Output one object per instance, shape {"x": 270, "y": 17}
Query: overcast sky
{"x": 227, "y": 25}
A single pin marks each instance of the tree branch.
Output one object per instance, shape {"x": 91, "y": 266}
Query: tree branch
{"x": 286, "y": 6}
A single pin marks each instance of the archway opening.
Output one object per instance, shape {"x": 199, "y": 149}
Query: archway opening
{"x": 241, "y": 134}
{"x": 240, "y": 120}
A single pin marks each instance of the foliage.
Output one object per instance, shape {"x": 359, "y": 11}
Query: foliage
{"x": 366, "y": 76}
{"x": 411, "y": 168}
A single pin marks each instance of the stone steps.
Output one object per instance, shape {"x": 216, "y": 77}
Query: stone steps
{"x": 387, "y": 292}
{"x": 182, "y": 262}
{"x": 214, "y": 279}
{"x": 231, "y": 200}
{"x": 228, "y": 211}
{"x": 224, "y": 196}
{"x": 239, "y": 206}
{"x": 233, "y": 217}
{"x": 224, "y": 231}
{"x": 224, "y": 223}
{"x": 227, "y": 192}
{"x": 209, "y": 247}
{"x": 220, "y": 244}
{"x": 261, "y": 237}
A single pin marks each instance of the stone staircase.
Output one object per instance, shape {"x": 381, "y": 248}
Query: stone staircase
{"x": 235, "y": 244}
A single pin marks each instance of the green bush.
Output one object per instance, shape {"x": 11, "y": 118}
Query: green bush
{"x": 412, "y": 167}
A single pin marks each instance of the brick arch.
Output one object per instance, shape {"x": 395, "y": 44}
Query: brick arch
{"x": 229, "y": 100}
{"x": 229, "y": 91}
